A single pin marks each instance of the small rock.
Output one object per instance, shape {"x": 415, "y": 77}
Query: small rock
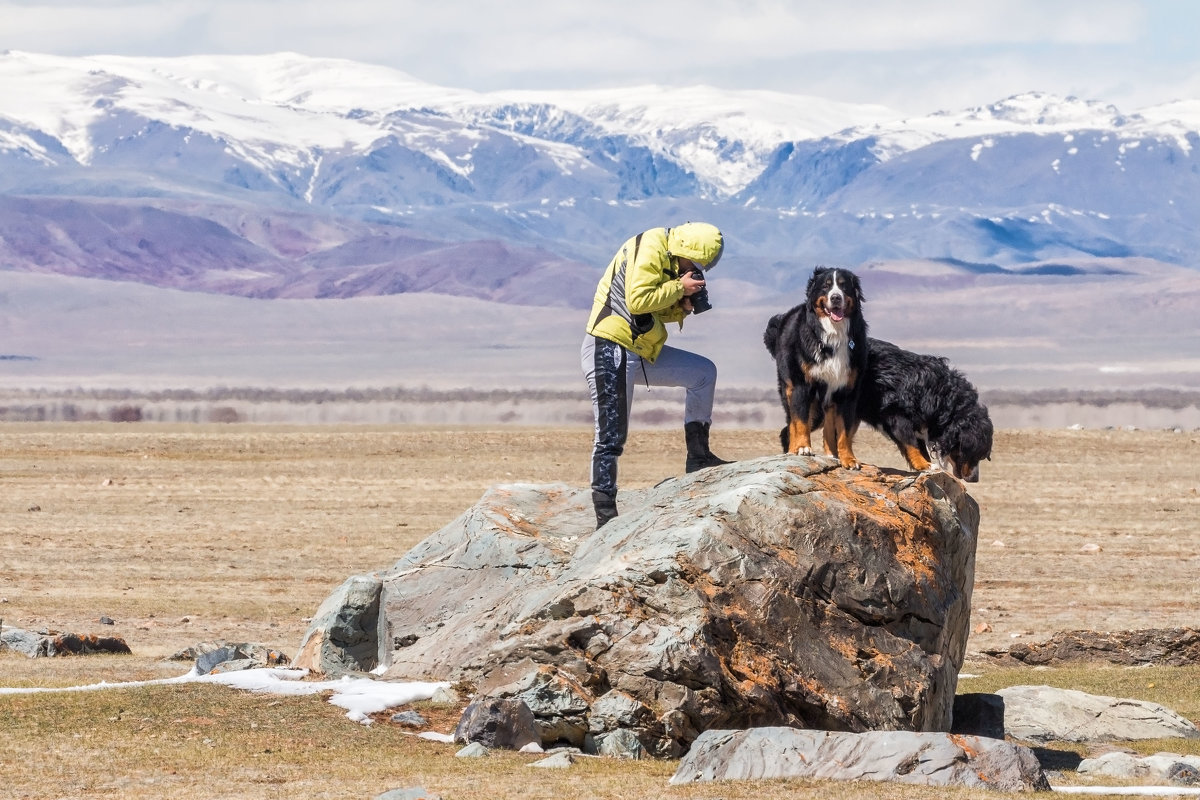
{"x": 446, "y": 696}
{"x": 932, "y": 759}
{"x": 532, "y": 747}
{"x": 621, "y": 743}
{"x": 410, "y": 719}
{"x": 473, "y": 750}
{"x": 107, "y": 621}
{"x": 1042, "y": 714}
{"x": 557, "y": 761}
{"x": 983, "y": 627}
{"x": 1183, "y": 773}
{"x": 1090, "y": 548}
{"x": 35, "y": 508}
{"x": 415, "y": 793}
{"x": 234, "y": 665}
{"x": 497, "y": 722}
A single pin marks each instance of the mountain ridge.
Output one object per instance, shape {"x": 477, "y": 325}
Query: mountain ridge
{"x": 286, "y": 176}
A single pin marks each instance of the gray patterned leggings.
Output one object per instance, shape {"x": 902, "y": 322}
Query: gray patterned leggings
{"x": 612, "y": 371}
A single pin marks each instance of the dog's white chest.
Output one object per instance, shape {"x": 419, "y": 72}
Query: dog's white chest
{"x": 833, "y": 370}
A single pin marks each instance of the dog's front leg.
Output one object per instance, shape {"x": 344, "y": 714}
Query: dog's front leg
{"x": 800, "y": 423}
{"x": 800, "y": 437}
{"x": 844, "y": 438}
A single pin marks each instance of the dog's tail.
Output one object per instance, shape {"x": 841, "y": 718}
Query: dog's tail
{"x": 771, "y": 334}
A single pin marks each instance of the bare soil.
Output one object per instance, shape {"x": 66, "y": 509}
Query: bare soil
{"x": 181, "y": 534}
{"x": 190, "y": 533}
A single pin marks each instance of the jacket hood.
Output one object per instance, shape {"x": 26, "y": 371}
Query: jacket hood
{"x": 698, "y": 242}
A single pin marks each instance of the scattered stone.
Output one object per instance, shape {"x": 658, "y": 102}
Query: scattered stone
{"x": 1172, "y": 647}
{"x": 497, "y": 723}
{"x": 1090, "y": 548}
{"x": 446, "y": 696}
{"x": 620, "y": 743}
{"x": 1042, "y": 714}
{"x": 559, "y": 702}
{"x": 1160, "y": 767}
{"x": 107, "y": 621}
{"x": 48, "y": 645}
{"x": 557, "y": 761}
{"x": 473, "y": 750}
{"x": 234, "y": 665}
{"x": 35, "y": 508}
{"x": 782, "y": 590}
{"x": 983, "y": 627}
{"x": 410, "y": 719}
{"x": 21, "y": 641}
{"x": 931, "y": 759}
{"x": 532, "y": 747}
{"x": 415, "y": 793}
{"x": 1186, "y": 773}
{"x": 342, "y": 637}
{"x": 242, "y": 655}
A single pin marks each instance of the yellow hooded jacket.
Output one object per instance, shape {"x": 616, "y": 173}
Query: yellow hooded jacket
{"x": 641, "y": 290}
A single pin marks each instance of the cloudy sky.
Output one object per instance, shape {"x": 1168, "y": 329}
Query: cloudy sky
{"x": 914, "y": 55}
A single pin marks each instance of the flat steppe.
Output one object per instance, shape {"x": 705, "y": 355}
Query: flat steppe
{"x": 187, "y": 533}
{"x": 183, "y": 534}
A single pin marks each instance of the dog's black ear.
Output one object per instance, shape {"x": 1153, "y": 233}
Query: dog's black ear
{"x": 812, "y": 279}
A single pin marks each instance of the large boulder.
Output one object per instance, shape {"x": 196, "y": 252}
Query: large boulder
{"x": 929, "y": 759}
{"x": 777, "y": 591}
{"x": 1043, "y": 714}
{"x": 1169, "y": 647}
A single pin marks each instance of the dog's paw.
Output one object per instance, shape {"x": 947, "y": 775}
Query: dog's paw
{"x": 850, "y": 463}
{"x": 803, "y": 451}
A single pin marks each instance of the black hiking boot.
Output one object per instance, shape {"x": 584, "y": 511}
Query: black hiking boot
{"x": 698, "y": 455}
{"x": 606, "y": 507}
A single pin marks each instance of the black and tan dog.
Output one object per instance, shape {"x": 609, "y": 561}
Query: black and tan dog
{"x": 820, "y": 350}
{"x": 927, "y": 408}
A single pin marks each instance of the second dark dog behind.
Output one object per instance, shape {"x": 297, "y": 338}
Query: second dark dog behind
{"x": 927, "y": 408}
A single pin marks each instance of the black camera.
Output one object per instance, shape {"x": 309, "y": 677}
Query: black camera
{"x": 700, "y": 302}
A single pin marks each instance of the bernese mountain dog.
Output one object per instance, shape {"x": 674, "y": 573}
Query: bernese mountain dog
{"x": 927, "y": 408}
{"x": 820, "y": 351}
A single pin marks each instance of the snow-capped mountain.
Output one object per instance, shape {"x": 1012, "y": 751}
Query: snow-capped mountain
{"x": 288, "y": 176}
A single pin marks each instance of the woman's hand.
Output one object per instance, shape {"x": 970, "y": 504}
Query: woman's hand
{"x": 691, "y": 284}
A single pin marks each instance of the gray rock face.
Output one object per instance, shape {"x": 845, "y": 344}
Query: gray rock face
{"x": 342, "y": 637}
{"x": 932, "y": 759}
{"x": 778, "y": 591}
{"x": 497, "y": 723}
{"x": 1160, "y": 766}
{"x": 39, "y": 645}
{"x": 1175, "y": 647}
{"x": 1046, "y": 714}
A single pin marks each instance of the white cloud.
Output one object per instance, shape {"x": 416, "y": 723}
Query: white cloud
{"x": 918, "y": 55}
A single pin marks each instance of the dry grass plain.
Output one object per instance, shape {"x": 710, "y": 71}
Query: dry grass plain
{"x": 183, "y": 534}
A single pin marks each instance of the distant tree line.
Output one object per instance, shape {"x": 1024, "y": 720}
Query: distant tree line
{"x": 222, "y": 404}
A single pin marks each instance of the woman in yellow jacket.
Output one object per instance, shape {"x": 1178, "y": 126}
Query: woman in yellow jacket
{"x": 653, "y": 279}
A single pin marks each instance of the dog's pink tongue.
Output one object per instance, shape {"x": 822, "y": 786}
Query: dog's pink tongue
{"x": 836, "y": 315}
